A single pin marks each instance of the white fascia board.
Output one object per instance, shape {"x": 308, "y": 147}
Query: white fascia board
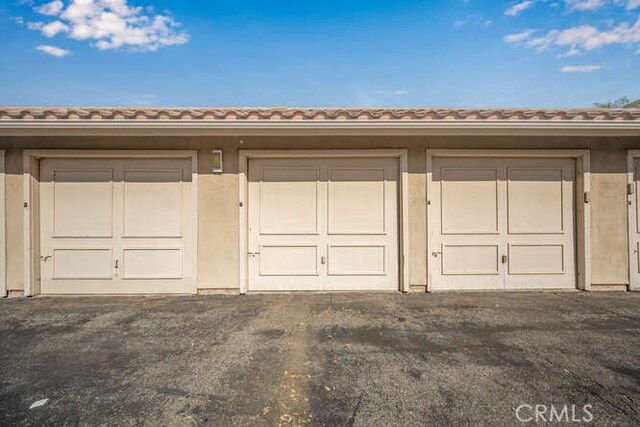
{"x": 316, "y": 127}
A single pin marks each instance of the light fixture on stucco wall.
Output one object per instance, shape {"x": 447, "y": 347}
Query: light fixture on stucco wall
{"x": 216, "y": 161}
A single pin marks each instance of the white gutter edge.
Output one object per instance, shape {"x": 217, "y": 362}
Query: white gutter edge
{"x": 317, "y": 127}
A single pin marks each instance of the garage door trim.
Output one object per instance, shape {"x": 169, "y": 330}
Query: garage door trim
{"x": 583, "y": 187}
{"x": 634, "y": 277}
{"x": 3, "y": 231}
{"x": 31, "y": 221}
{"x": 403, "y": 216}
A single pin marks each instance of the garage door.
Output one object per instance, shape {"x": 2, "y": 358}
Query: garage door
{"x": 634, "y": 228}
{"x": 502, "y": 223}
{"x": 116, "y": 226}
{"x": 323, "y": 224}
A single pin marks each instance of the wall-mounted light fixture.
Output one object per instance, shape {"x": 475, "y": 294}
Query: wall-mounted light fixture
{"x": 216, "y": 161}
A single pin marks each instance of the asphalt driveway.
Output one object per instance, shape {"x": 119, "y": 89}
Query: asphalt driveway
{"x": 345, "y": 359}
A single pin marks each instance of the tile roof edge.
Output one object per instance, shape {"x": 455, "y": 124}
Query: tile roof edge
{"x": 304, "y": 114}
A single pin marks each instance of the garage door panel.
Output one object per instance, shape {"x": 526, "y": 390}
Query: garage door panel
{"x": 536, "y": 259}
{"x": 82, "y": 202}
{"x": 286, "y": 283}
{"x": 289, "y": 260}
{"x": 535, "y": 201}
{"x": 152, "y": 263}
{"x": 362, "y": 224}
{"x": 114, "y": 287}
{"x": 82, "y": 263}
{"x": 522, "y": 211}
{"x": 116, "y": 225}
{"x": 470, "y": 259}
{"x": 466, "y": 190}
{"x": 293, "y": 188}
{"x": 356, "y": 201}
{"x": 356, "y": 260}
{"x": 332, "y": 224}
{"x": 153, "y": 203}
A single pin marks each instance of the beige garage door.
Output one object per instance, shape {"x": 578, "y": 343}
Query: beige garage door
{"x": 323, "y": 224}
{"x": 502, "y": 223}
{"x": 634, "y": 228}
{"x": 116, "y": 226}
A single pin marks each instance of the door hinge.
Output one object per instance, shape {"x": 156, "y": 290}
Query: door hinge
{"x": 504, "y": 259}
{"x": 587, "y": 197}
{"x": 631, "y": 188}
{"x": 323, "y": 260}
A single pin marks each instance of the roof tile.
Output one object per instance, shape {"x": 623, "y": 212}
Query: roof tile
{"x": 303, "y": 114}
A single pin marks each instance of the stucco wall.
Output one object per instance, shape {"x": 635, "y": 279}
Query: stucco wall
{"x": 609, "y": 257}
{"x": 13, "y": 217}
{"x": 218, "y": 201}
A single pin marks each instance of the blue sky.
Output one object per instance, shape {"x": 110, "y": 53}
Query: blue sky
{"x": 347, "y": 53}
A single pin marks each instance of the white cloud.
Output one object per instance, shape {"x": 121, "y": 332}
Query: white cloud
{"x": 580, "y": 68}
{"x": 53, "y": 50}
{"x": 391, "y": 92}
{"x": 571, "y": 52}
{"x": 475, "y": 20}
{"x": 34, "y": 25}
{"x": 111, "y": 24}
{"x": 145, "y": 100}
{"x": 51, "y": 9}
{"x": 632, "y": 4}
{"x": 518, "y": 8}
{"x": 584, "y": 4}
{"x": 578, "y": 40}
{"x": 519, "y": 37}
{"x": 53, "y": 28}
{"x": 587, "y": 37}
{"x": 598, "y": 4}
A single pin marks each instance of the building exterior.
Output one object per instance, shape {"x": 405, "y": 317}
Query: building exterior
{"x": 144, "y": 201}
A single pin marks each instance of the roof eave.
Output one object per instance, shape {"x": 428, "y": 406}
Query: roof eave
{"x": 317, "y": 127}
